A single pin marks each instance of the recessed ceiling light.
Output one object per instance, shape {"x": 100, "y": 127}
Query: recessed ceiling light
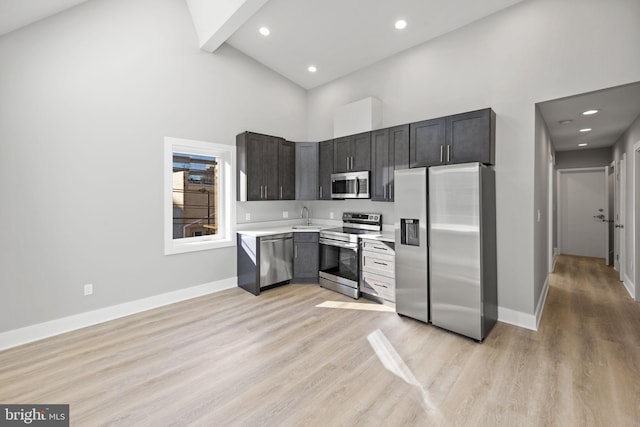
{"x": 401, "y": 24}
{"x": 584, "y": 144}
{"x": 585, "y": 130}
{"x": 565, "y": 122}
{"x": 312, "y": 68}
{"x": 264, "y": 31}
{"x": 589, "y": 112}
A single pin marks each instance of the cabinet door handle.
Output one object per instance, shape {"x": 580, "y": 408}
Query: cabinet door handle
{"x": 347, "y": 166}
{"x": 442, "y": 154}
{"x": 380, "y": 263}
{"x": 384, "y": 191}
{"x": 321, "y": 192}
{"x": 265, "y": 192}
{"x": 351, "y": 162}
{"x": 281, "y": 191}
{"x": 261, "y": 192}
{"x": 448, "y": 153}
{"x": 295, "y": 250}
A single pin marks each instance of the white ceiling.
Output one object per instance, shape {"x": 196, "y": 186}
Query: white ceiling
{"x": 618, "y": 108}
{"x": 16, "y": 14}
{"x": 342, "y": 36}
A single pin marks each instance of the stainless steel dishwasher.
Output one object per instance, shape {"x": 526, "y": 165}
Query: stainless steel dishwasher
{"x": 276, "y": 259}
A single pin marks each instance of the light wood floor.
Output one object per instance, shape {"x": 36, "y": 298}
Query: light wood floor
{"x": 278, "y": 360}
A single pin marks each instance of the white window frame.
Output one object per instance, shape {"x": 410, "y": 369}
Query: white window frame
{"x": 226, "y": 157}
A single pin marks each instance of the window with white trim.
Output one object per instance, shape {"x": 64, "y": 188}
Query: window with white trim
{"x": 198, "y": 183}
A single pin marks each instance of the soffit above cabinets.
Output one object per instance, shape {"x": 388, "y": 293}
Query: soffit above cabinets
{"x": 617, "y": 108}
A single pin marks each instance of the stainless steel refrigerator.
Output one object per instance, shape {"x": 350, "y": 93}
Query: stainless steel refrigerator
{"x": 462, "y": 249}
{"x": 412, "y": 291}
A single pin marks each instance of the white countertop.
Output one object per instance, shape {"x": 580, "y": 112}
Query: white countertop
{"x": 276, "y": 227}
{"x": 385, "y": 236}
{"x": 279, "y": 227}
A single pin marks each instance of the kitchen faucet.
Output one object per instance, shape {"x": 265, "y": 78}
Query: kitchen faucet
{"x": 304, "y": 208}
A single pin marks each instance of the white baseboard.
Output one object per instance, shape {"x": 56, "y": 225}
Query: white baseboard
{"x": 526, "y": 320}
{"x": 553, "y": 265}
{"x": 517, "y": 318}
{"x": 39, "y": 331}
{"x": 629, "y": 285}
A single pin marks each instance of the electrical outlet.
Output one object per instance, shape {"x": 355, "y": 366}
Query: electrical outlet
{"x": 285, "y": 214}
{"x": 330, "y": 215}
{"x": 88, "y": 289}
{"x": 247, "y": 217}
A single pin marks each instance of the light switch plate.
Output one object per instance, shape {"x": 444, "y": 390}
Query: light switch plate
{"x": 285, "y": 214}
{"x": 247, "y": 217}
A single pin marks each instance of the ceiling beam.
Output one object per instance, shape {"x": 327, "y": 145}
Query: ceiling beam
{"x": 217, "y": 20}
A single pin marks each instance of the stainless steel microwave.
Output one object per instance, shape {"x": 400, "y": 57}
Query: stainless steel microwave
{"x": 350, "y": 185}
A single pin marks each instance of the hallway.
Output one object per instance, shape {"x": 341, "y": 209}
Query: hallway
{"x": 590, "y": 331}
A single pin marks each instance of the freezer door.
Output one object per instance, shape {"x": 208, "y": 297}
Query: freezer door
{"x": 454, "y": 240}
{"x": 412, "y": 292}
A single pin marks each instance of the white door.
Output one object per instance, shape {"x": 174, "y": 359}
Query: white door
{"x": 582, "y": 207}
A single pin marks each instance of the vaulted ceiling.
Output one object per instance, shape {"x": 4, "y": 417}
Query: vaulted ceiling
{"x": 339, "y": 37}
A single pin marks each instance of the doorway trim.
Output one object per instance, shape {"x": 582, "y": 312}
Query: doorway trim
{"x": 636, "y": 217}
{"x": 602, "y": 169}
{"x": 626, "y": 281}
{"x": 550, "y": 217}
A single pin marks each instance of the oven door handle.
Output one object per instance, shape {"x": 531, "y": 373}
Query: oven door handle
{"x": 345, "y": 245}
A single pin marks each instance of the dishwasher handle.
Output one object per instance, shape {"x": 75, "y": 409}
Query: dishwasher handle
{"x": 277, "y": 238}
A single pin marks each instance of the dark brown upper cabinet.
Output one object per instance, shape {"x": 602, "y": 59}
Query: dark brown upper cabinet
{"x": 258, "y": 167}
{"x": 352, "y": 153}
{"x": 470, "y": 137}
{"x": 389, "y": 151}
{"x": 426, "y": 143}
{"x": 461, "y": 138}
{"x": 286, "y": 170}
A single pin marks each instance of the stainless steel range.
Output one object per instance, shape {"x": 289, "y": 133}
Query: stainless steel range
{"x": 339, "y": 256}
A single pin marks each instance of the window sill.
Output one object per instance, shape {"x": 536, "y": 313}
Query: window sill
{"x": 180, "y": 248}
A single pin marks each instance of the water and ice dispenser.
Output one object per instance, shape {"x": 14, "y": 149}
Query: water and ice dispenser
{"x": 410, "y": 231}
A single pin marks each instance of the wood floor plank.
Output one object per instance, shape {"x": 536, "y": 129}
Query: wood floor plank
{"x": 234, "y": 359}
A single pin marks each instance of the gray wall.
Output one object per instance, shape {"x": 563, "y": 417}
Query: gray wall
{"x": 624, "y": 146}
{"x": 86, "y": 98}
{"x": 531, "y": 52}
{"x": 597, "y": 157}
{"x": 541, "y": 219}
